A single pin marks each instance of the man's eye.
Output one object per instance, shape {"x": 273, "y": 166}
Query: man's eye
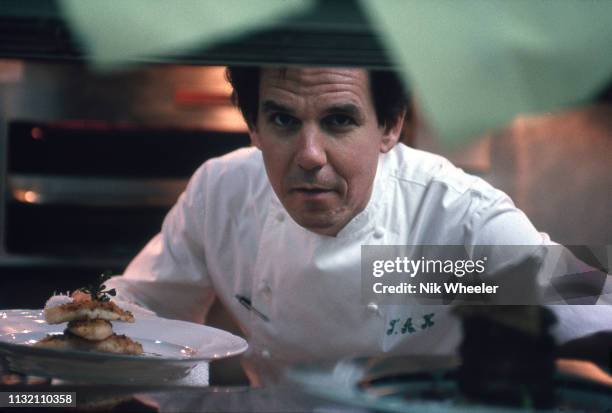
{"x": 283, "y": 120}
{"x": 339, "y": 121}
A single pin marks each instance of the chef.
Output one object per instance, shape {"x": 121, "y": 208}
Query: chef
{"x": 275, "y": 230}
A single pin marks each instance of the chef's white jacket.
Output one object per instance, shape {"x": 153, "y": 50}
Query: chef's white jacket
{"x": 229, "y": 235}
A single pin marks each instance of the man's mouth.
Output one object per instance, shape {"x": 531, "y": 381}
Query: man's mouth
{"x": 313, "y": 190}
{"x": 313, "y": 193}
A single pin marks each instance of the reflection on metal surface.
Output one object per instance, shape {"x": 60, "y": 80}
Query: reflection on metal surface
{"x": 172, "y": 96}
{"x": 30, "y": 196}
{"x": 50, "y": 190}
{"x": 558, "y": 165}
{"x": 11, "y": 71}
{"x": 224, "y": 119}
{"x": 25, "y": 196}
{"x": 36, "y": 133}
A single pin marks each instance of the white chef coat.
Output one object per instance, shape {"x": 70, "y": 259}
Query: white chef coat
{"x": 229, "y": 235}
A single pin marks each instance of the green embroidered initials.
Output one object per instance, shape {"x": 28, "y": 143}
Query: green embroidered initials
{"x": 428, "y": 323}
{"x": 408, "y": 327}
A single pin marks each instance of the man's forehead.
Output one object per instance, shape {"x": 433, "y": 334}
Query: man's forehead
{"x": 314, "y": 80}
{"x": 310, "y": 73}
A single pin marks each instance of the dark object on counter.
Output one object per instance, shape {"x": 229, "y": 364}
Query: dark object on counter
{"x": 508, "y": 355}
{"x": 596, "y": 348}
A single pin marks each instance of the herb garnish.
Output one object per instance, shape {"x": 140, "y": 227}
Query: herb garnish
{"x": 98, "y": 291}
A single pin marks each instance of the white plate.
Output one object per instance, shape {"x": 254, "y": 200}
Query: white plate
{"x": 172, "y": 348}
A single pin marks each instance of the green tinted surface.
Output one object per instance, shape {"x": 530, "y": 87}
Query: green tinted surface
{"x": 116, "y": 31}
{"x": 475, "y": 65}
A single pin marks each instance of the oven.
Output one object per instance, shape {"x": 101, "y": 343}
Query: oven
{"x": 91, "y": 164}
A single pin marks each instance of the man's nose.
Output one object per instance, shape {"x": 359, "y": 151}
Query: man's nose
{"x": 310, "y": 150}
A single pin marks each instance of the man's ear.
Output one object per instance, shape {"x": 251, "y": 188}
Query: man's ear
{"x": 392, "y": 134}
{"x": 254, "y": 135}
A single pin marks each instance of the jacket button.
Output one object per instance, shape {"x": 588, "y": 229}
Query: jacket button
{"x": 373, "y": 308}
{"x": 280, "y": 217}
{"x": 379, "y": 232}
{"x": 265, "y": 354}
{"x": 265, "y": 288}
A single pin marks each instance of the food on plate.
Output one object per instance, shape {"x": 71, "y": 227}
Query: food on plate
{"x": 89, "y": 303}
{"x": 89, "y": 312}
{"x": 91, "y": 329}
{"x": 119, "y": 344}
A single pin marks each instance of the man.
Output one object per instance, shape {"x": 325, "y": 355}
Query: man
{"x": 275, "y": 231}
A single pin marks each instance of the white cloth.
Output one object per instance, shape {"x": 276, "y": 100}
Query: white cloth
{"x": 229, "y": 235}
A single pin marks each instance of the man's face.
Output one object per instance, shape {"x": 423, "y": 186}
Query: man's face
{"x": 320, "y": 139}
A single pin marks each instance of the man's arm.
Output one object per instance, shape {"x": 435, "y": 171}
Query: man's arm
{"x": 499, "y": 223}
{"x": 169, "y": 276}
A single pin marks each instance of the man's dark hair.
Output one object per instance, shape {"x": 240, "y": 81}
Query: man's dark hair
{"x": 387, "y": 92}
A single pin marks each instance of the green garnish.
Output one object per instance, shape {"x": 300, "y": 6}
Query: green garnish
{"x": 98, "y": 291}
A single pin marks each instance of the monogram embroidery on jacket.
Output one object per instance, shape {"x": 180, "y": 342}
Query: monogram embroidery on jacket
{"x": 408, "y": 326}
